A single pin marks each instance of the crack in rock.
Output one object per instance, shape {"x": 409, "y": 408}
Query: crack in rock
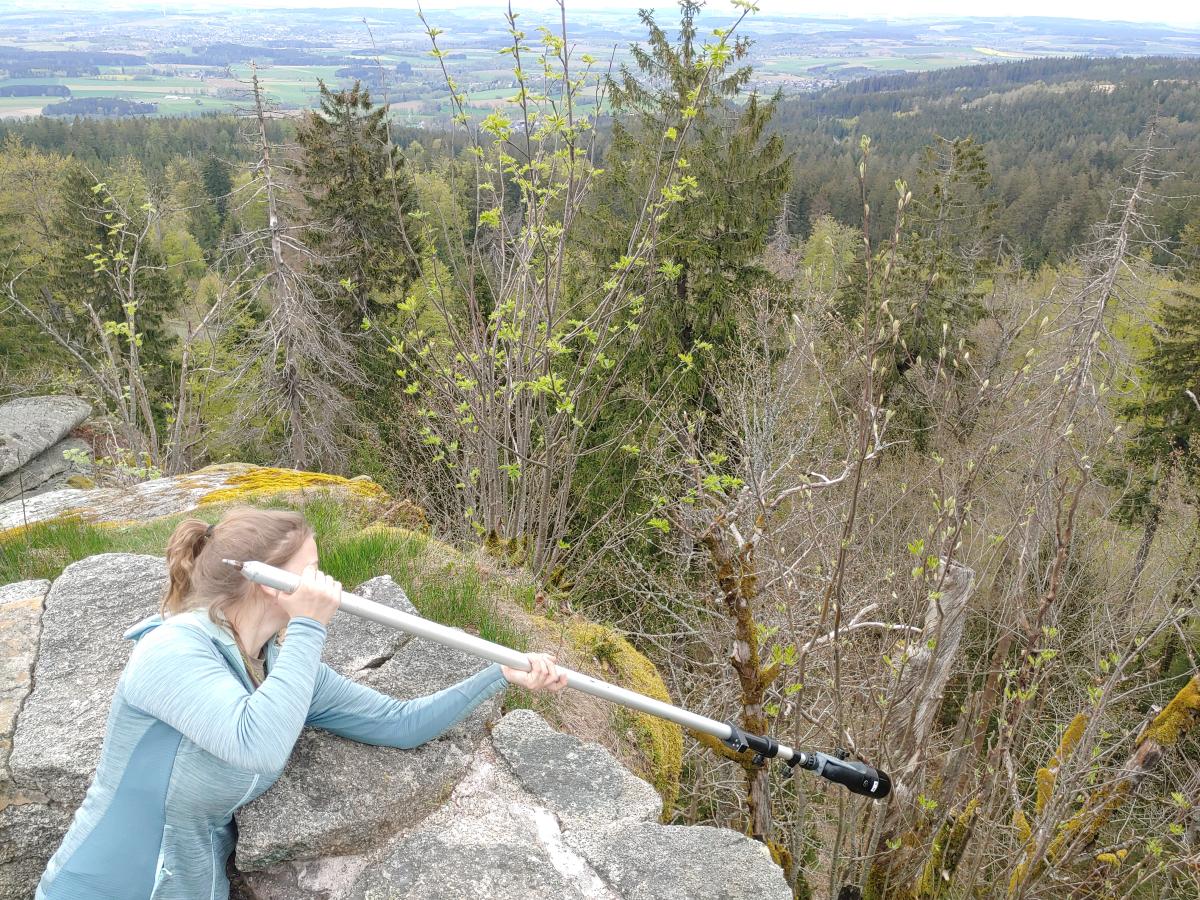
{"x": 18, "y": 679}
{"x": 572, "y": 866}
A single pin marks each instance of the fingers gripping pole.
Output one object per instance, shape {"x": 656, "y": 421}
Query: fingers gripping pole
{"x": 858, "y": 777}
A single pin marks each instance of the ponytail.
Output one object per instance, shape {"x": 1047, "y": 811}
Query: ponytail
{"x": 198, "y": 577}
{"x": 187, "y": 541}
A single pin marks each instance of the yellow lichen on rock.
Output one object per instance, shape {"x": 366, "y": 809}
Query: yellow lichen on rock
{"x": 259, "y": 483}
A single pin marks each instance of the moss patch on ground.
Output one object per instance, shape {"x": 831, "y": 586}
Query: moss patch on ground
{"x": 260, "y": 483}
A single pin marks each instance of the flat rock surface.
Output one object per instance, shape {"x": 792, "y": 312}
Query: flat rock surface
{"x": 46, "y": 465}
{"x": 647, "y": 861}
{"x": 577, "y": 780}
{"x": 500, "y": 836}
{"x": 353, "y": 645}
{"x": 338, "y": 796}
{"x": 421, "y": 667}
{"x": 29, "y": 425}
{"x": 490, "y": 839}
{"x": 29, "y": 833}
{"x": 145, "y": 500}
{"x": 319, "y": 879}
{"x": 57, "y": 741}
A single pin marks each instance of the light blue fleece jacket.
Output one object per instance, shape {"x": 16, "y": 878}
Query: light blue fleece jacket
{"x": 189, "y": 740}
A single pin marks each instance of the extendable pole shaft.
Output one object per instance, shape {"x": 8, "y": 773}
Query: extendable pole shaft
{"x": 822, "y": 764}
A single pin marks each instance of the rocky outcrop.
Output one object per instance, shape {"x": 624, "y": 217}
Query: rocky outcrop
{"x": 49, "y": 470}
{"x": 31, "y": 424}
{"x": 176, "y": 494}
{"x": 31, "y": 441}
{"x": 522, "y": 811}
{"x": 538, "y": 814}
{"x": 80, "y": 656}
{"x": 580, "y": 782}
{"x": 20, "y": 624}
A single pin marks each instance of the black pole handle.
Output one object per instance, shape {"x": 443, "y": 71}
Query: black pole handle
{"x": 857, "y": 777}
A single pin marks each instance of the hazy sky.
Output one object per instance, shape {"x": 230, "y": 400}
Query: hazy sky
{"x": 1173, "y": 11}
{"x": 1176, "y": 12}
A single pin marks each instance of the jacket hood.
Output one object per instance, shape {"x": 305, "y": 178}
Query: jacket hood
{"x": 197, "y": 617}
{"x": 143, "y": 627}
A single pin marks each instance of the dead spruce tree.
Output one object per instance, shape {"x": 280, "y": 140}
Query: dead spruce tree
{"x": 294, "y": 368}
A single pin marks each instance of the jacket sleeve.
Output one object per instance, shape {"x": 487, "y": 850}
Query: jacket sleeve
{"x": 184, "y": 680}
{"x": 363, "y": 714}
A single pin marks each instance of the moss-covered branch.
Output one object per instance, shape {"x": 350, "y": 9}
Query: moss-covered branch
{"x": 1079, "y": 832}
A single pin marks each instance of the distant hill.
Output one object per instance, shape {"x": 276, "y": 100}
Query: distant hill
{"x": 1057, "y": 134}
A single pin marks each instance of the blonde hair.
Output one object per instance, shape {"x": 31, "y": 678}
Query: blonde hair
{"x": 198, "y": 578}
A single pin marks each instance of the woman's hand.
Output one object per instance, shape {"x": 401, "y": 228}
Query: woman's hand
{"x": 317, "y": 597}
{"x": 542, "y": 676}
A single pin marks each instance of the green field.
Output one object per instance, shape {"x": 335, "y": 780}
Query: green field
{"x": 290, "y": 85}
{"x": 907, "y": 63}
{"x": 425, "y": 94}
{"x": 194, "y": 107}
{"x": 799, "y": 65}
{"x": 20, "y": 106}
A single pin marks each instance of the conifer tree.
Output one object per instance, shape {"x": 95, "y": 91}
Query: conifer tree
{"x": 948, "y": 249}
{"x": 360, "y": 199}
{"x": 217, "y": 184}
{"x": 82, "y": 236}
{"x": 1170, "y": 432}
{"x": 359, "y": 196}
{"x": 741, "y": 175}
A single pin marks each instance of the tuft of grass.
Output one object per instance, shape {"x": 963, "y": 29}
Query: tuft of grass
{"x": 44, "y": 549}
{"x": 458, "y": 599}
{"x": 455, "y": 595}
{"x": 355, "y": 558}
{"x": 526, "y": 596}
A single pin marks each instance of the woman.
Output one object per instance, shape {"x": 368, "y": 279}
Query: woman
{"x": 208, "y": 708}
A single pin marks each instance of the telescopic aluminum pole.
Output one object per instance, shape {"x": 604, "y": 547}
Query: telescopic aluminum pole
{"x": 854, "y": 775}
